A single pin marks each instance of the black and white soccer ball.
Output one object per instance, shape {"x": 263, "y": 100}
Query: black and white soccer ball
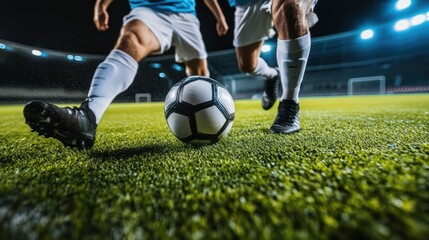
{"x": 199, "y": 110}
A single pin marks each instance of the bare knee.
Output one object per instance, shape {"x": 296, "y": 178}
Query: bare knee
{"x": 247, "y": 56}
{"x": 137, "y": 40}
{"x": 197, "y": 67}
{"x": 247, "y": 67}
{"x": 130, "y": 43}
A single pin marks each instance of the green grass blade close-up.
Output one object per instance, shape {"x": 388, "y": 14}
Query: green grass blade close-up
{"x": 358, "y": 169}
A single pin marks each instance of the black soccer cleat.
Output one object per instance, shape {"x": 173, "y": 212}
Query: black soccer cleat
{"x": 270, "y": 94}
{"x": 287, "y": 119}
{"x": 74, "y": 127}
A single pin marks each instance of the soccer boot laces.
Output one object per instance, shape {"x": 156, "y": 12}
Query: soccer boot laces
{"x": 287, "y": 119}
{"x": 271, "y": 89}
{"x": 74, "y": 127}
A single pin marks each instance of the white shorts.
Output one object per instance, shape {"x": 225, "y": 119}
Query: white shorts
{"x": 181, "y": 30}
{"x": 253, "y": 23}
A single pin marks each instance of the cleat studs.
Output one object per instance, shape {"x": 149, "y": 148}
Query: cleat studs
{"x": 45, "y": 120}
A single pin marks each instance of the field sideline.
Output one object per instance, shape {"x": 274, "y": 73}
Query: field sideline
{"x": 359, "y": 169}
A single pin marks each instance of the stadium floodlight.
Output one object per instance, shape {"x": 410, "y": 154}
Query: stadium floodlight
{"x": 402, "y": 4}
{"x": 38, "y": 53}
{"x": 162, "y": 75}
{"x": 266, "y": 48}
{"x": 78, "y": 58}
{"x": 402, "y": 25}
{"x": 367, "y": 34}
{"x": 2, "y": 46}
{"x": 177, "y": 67}
{"x": 418, "y": 19}
{"x": 155, "y": 65}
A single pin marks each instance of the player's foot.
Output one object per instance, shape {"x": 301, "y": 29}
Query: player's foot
{"x": 287, "y": 119}
{"x": 74, "y": 127}
{"x": 271, "y": 88}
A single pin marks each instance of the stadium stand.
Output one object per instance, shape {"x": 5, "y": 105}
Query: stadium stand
{"x": 27, "y": 73}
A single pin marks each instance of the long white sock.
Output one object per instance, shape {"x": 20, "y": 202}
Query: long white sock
{"x": 292, "y": 56}
{"x": 262, "y": 69}
{"x": 113, "y": 76}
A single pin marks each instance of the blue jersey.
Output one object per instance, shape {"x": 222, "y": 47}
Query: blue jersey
{"x": 169, "y": 6}
{"x": 234, "y": 3}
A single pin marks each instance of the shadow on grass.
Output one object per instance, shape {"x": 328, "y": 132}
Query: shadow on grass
{"x": 130, "y": 152}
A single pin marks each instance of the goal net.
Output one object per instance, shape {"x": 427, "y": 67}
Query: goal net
{"x": 367, "y": 85}
{"x": 143, "y": 97}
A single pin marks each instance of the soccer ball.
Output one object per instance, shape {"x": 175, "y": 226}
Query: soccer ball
{"x": 199, "y": 110}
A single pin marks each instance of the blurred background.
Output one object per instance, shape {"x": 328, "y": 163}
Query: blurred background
{"x": 50, "y": 49}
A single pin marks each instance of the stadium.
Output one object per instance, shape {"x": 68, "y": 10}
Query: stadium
{"x": 358, "y": 169}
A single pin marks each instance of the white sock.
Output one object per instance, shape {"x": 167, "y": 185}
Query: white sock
{"x": 262, "y": 69}
{"x": 292, "y": 56}
{"x": 113, "y": 76}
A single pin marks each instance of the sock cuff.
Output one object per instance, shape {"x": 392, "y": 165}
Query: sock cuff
{"x": 294, "y": 45}
{"x": 123, "y": 58}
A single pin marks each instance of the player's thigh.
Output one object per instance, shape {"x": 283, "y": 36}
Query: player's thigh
{"x": 137, "y": 38}
{"x": 252, "y": 23}
{"x": 153, "y": 29}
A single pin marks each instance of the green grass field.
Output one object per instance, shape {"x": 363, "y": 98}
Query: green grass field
{"x": 359, "y": 169}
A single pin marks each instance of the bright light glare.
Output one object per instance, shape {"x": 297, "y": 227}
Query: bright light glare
{"x": 402, "y": 4}
{"x": 162, "y": 75}
{"x": 402, "y": 25}
{"x": 266, "y": 48}
{"x": 36, "y": 53}
{"x": 427, "y": 16}
{"x": 367, "y": 34}
{"x": 155, "y": 65}
{"x": 419, "y": 19}
{"x": 177, "y": 67}
{"x": 78, "y": 58}
{"x": 2, "y": 46}
{"x": 70, "y": 57}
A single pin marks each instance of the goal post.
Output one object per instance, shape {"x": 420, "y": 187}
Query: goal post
{"x": 143, "y": 97}
{"x": 367, "y": 85}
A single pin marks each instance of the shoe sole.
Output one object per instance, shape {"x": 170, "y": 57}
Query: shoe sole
{"x": 45, "y": 122}
{"x": 267, "y": 103}
{"x": 277, "y": 129}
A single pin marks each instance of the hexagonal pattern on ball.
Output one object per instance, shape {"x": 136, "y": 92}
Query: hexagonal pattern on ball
{"x": 179, "y": 125}
{"x": 197, "y": 92}
{"x": 209, "y": 120}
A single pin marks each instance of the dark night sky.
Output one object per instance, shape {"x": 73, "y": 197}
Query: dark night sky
{"x": 67, "y": 25}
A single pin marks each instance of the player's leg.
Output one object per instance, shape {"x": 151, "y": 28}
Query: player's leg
{"x": 250, "y": 62}
{"x": 116, "y": 73}
{"x": 189, "y": 44}
{"x": 76, "y": 127}
{"x": 197, "y": 66}
{"x": 293, "y": 49}
{"x": 252, "y": 25}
